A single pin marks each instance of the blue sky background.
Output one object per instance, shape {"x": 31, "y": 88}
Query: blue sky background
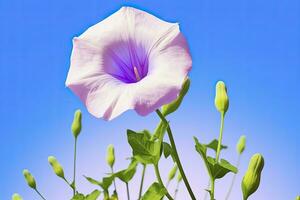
{"x": 254, "y": 46}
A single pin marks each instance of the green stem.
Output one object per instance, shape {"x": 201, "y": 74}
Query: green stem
{"x": 67, "y": 182}
{"x": 127, "y": 189}
{"x": 160, "y": 180}
{"x": 212, "y": 189}
{"x": 220, "y": 137}
{"x": 74, "y": 171}
{"x": 142, "y": 181}
{"x": 176, "y": 190}
{"x": 233, "y": 178}
{"x": 39, "y": 194}
{"x": 112, "y": 171}
{"x": 176, "y": 156}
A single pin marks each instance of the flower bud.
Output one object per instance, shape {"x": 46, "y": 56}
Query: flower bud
{"x": 240, "y": 147}
{"x": 174, "y": 105}
{"x": 251, "y": 180}
{"x": 298, "y": 198}
{"x": 16, "y": 197}
{"x": 221, "y": 98}
{"x": 172, "y": 173}
{"x": 57, "y": 168}
{"x": 110, "y": 155}
{"x": 179, "y": 177}
{"x": 76, "y": 125}
{"x": 29, "y": 179}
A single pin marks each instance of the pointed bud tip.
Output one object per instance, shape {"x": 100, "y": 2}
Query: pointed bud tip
{"x": 110, "y": 155}
{"x": 221, "y": 98}
{"x": 76, "y": 125}
{"x": 241, "y": 145}
{"x": 251, "y": 179}
{"x": 29, "y": 179}
{"x": 16, "y": 197}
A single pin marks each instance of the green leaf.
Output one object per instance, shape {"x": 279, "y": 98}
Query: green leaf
{"x": 93, "y": 196}
{"x": 78, "y": 196}
{"x": 160, "y": 130}
{"x": 168, "y": 150}
{"x": 214, "y": 145}
{"x": 202, "y": 150}
{"x": 144, "y": 150}
{"x": 220, "y": 169}
{"x": 104, "y": 184}
{"x": 155, "y": 192}
{"x": 127, "y": 174}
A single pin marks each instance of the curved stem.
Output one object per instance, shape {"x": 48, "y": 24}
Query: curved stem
{"x": 233, "y": 178}
{"x": 160, "y": 181}
{"x": 127, "y": 189}
{"x": 40, "y": 194}
{"x": 74, "y": 172}
{"x": 220, "y": 137}
{"x": 142, "y": 181}
{"x": 176, "y": 156}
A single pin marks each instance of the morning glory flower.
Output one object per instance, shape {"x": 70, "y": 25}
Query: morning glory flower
{"x": 130, "y": 60}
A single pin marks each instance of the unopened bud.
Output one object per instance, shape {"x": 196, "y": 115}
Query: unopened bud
{"x": 179, "y": 177}
{"x": 172, "y": 173}
{"x": 76, "y": 125}
{"x": 16, "y": 197}
{"x": 251, "y": 180}
{"x": 221, "y": 98}
{"x": 174, "y": 105}
{"x": 240, "y": 147}
{"x": 29, "y": 179}
{"x": 110, "y": 155}
{"x": 57, "y": 168}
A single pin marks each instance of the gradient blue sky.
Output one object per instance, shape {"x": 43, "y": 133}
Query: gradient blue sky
{"x": 254, "y": 46}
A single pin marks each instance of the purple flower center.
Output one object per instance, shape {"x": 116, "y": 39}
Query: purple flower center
{"x": 126, "y": 61}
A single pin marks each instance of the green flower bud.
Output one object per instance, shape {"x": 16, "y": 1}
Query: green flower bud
{"x": 172, "y": 173}
{"x": 221, "y": 98}
{"x": 251, "y": 180}
{"x": 179, "y": 177}
{"x": 76, "y": 125}
{"x": 16, "y": 197}
{"x": 57, "y": 168}
{"x": 298, "y": 198}
{"x": 110, "y": 155}
{"x": 174, "y": 105}
{"x": 240, "y": 147}
{"x": 29, "y": 179}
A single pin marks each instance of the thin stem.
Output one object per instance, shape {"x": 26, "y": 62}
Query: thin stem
{"x": 176, "y": 190}
{"x": 233, "y": 178}
{"x": 40, "y": 194}
{"x": 67, "y": 182}
{"x": 112, "y": 171}
{"x": 142, "y": 181}
{"x": 220, "y": 137}
{"x": 212, "y": 189}
{"x": 127, "y": 189}
{"x": 176, "y": 156}
{"x": 74, "y": 172}
{"x": 157, "y": 173}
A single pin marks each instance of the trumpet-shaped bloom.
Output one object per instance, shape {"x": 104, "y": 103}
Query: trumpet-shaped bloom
{"x": 130, "y": 60}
